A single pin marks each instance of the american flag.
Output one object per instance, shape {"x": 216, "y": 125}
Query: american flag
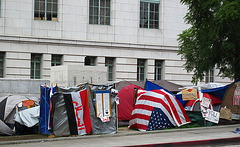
{"x": 156, "y": 110}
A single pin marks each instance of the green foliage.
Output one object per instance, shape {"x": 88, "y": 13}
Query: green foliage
{"x": 213, "y": 40}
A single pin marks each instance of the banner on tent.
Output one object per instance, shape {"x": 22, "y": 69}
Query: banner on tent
{"x": 236, "y": 96}
{"x": 189, "y": 94}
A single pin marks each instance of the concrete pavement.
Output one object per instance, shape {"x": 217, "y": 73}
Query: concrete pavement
{"x": 171, "y": 137}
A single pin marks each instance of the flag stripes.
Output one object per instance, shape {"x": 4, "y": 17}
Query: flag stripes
{"x": 157, "y": 109}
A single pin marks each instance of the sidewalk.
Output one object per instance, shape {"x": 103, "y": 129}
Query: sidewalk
{"x": 126, "y": 137}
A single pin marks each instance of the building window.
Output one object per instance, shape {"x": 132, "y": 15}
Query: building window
{"x": 149, "y": 14}
{"x": 99, "y": 12}
{"x": 56, "y": 60}
{"x": 158, "y": 70}
{"x": 210, "y": 76}
{"x": 141, "y": 69}
{"x": 2, "y": 56}
{"x": 45, "y": 10}
{"x": 109, "y": 63}
{"x": 91, "y": 61}
{"x": 36, "y": 66}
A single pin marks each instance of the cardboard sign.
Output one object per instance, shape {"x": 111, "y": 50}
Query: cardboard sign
{"x": 226, "y": 113}
{"x": 236, "y": 96}
{"x": 189, "y": 94}
{"x": 212, "y": 116}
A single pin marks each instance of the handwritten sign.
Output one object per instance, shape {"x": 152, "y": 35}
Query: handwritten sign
{"x": 212, "y": 116}
{"x": 205, "y": 102}
{"x": 105, "y": 119}
{"x": 189, "y": 94}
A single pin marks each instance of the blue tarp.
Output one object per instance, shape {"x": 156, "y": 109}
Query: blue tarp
{"x": 43, "y": 111}
{"x": 151, "y": 86}
{"x": 179, "y": 98}
{"x": 220, "y": 91}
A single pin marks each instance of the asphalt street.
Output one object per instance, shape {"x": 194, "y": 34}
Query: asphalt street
{"x": 211, "y": 136}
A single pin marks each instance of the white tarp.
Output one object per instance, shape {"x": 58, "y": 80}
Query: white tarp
{"x": 28, "y": 117}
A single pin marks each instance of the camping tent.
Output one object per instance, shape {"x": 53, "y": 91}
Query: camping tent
{"x": 216, "y": 91}
{"x": 194, "y": 105}
{"x": 67, "y": 117}
{"x": 172, "y": 87}
{"x": 69, "y": 113}
{"x": 4, "y": 129}
{"x": 157, "y": 109}
{"x": 9, "y": 105}
{"x": 125, "y": 105}
{"x": 231, "y": 98}
{"x": 126, "y": 94}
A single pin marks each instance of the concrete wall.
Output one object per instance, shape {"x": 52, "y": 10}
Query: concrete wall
{"x": 21, "y": 87}
{"x": 73, "y": 75}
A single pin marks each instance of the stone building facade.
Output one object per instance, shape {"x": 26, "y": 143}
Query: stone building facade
{"x": 135, "y": 39}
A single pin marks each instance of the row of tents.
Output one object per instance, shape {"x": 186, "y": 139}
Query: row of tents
{"x": 222, "y": 98}
{"x": 98, "y": 109}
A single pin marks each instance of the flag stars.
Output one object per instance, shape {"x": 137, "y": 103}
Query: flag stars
{"x": 158, "y": 120}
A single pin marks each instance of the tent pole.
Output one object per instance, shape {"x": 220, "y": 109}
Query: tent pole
{"x": 45, "y": 107}
{"x": 39, "y": 125}
{"x": 116, "y": 115}
{"x": 145, "y": 83}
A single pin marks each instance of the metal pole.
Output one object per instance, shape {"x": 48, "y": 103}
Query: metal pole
{"x": 39, "y": 126}
{"x": 45, "y": 108}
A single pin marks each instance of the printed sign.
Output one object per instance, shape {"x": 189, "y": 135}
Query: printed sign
{"x": 236, "y": 96}
{"x": 103, "y": 104}
{"x": 212, "y": 116}
{"x": 106, "y": 104}
{"x": 189, "y": 94}
{"x": 99, "y": 105}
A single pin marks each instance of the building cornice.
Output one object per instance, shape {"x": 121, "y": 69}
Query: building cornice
{"x": 42, "y": 40}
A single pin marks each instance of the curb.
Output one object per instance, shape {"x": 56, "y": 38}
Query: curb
{"x": 210, "y": 142}
{"x": 121, "y": 134}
